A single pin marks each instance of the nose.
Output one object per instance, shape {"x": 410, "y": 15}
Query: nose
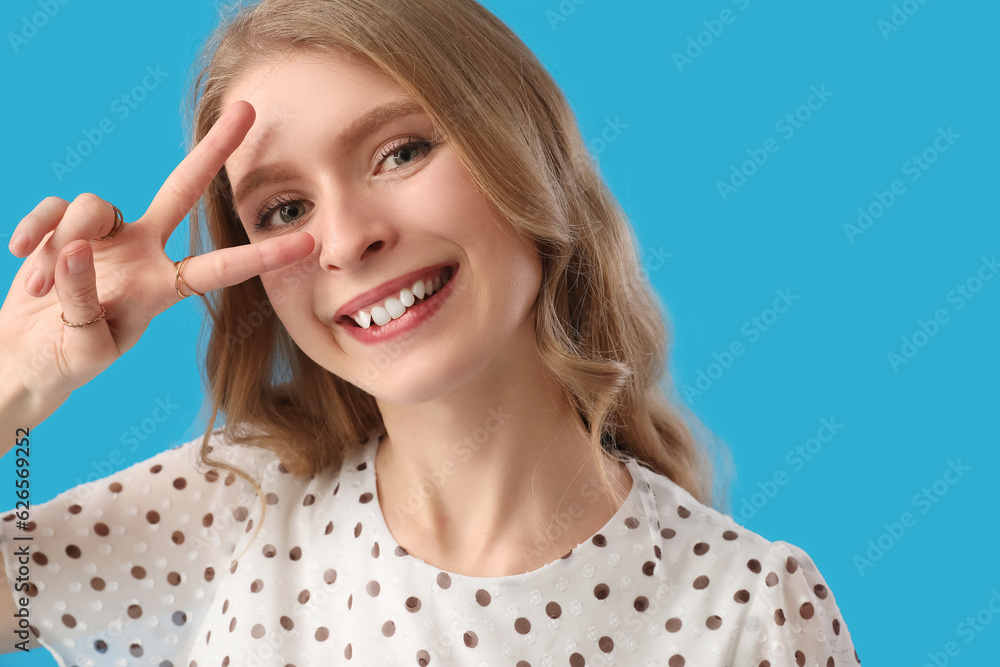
{"x": 349, "y": 231}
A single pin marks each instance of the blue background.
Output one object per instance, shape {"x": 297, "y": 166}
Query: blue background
{"x": 666, "y": 132}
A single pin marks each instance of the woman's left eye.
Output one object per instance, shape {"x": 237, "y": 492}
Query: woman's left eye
{"x": 403, "y": 152}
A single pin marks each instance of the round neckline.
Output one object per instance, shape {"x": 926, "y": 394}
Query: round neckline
{"x": 574, "y": 554}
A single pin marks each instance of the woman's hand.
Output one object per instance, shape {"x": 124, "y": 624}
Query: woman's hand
{"x": 129, "y": 275}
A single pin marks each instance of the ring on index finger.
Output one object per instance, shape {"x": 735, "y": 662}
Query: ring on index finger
{"x": 178, "y": 281}
{"x": 116, "y": 228}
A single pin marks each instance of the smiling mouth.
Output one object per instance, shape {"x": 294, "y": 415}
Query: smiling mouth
{"x": 395, "y": 306}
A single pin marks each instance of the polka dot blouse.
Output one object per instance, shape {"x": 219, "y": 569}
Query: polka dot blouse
{"x": 158, "y": 565}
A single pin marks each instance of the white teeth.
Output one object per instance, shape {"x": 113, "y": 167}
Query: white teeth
{"x": 363, "y": 319}
{"x": 418, "y": 289}
{"x": 395, "y": 308}
{"x": 380, "y": 315}
{"x": 406, "y": 297}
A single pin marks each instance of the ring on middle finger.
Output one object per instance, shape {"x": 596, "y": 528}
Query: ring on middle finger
{"x": 116, "y": 228}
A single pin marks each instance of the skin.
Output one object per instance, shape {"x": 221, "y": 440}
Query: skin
{"x": 528, "y": 493}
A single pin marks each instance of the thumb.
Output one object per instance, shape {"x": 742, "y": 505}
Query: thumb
{"x": 76, "y": 283}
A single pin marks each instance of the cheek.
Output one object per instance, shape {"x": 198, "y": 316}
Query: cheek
{"x": 289, "y": 291}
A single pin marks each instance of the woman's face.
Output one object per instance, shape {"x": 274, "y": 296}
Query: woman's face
{"x": 340, "y": 151}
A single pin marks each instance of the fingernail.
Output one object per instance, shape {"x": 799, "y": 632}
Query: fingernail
{"x": 17, "y": 242}
{"x": 78, "y": 260}
{"x": 36, "y": 281}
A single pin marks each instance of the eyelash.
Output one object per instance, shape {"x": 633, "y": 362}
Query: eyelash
{"x": 264, "y": 213}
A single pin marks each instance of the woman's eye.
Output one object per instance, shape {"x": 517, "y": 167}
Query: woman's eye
{"x": 283, "y": 212}
{"x": 402, "y": 154}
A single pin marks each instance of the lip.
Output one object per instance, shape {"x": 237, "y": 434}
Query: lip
{"x": 390, "y": 288}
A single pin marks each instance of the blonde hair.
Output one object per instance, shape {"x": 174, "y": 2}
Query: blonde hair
{"x": 599, "y": 329}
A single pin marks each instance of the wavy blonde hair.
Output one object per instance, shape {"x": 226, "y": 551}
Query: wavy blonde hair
{"x": 599, "y": 328}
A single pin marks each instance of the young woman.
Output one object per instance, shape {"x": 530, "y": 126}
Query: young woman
{"x": 446, "y": 435}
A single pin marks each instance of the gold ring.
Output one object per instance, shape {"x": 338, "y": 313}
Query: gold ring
{"x": 116, "y": 228}
{"x": 62, "y": 316}
{"x": 178, "y": 281}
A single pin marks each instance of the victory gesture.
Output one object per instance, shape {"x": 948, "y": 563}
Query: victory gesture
{"x": 112, "y": 278}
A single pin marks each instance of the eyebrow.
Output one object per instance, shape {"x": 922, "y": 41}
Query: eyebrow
{"x": 361, "y": 127}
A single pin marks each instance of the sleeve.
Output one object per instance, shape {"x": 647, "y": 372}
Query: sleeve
{"x": 122, "y": 570}
{"x": 794, "y": 619}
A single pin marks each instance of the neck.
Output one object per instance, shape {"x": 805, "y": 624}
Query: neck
{"x": 495, "y": 479}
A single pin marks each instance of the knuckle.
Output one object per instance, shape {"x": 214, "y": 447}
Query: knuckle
{"x": 221, "y": 266}
{"x": 183, "y": 190}
{"x": 52, "y": 200}
{"x": 90, "y": 205}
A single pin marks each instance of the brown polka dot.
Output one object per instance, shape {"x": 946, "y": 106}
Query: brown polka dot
{"x": 40, "y": 558}
{"x": 668, "y": 533}
{"x": 256, "y": 585}
{"x": 730, "y": 535}
{"x": 69, "y": 621}
{"x": 225, "y": 606}
{"x": 836, "y": 626}
{"x": 791, "y": 565}
{"x": 209, "y": 573}
{"x": 820, "y": 591}
{"x": 357, "y": 530}
{"x": 800, "y": 658}
{"x": 674, "y": 624}
{"x": 364, "y": 465}
{"x": 225, "y": 661}
{"x": 114, "y": 487}
{"x": 388, "y": 628}
{"x": 648, "y": 568}
{"x": 180, "y": 483}
{"x": 676, "y": 660}
{"x": 601, "y": 591}
{"x": 350, "y": 600}
{"x": 683, "y": 512}
{"x": 806, "y": 611}
{"x": 207, "y": 520}
{"x": 471, "y": 639}
{"x": 701, "y": 582}
{"x": 771, "y": 579}
{"x": 135, "y": 650}
{"x": 830, "y": 662}
{"x": 423, "y": 658}
{"x": 701, "y": 549}
{"x": 212, "y": 476}
{"x": 366, "y": 497}
{"x": 329, "y": 528}
{"x": 134, "y": 611}
{"x": 304, "y": 596}
{"x": 177, "y": 537}
{"x": 308, "y": 500}
{"x": 233, "y": 566}
{"x": 553, "y": 610}
{"x": 257, "y": 631}
{"x": 322, "y": 634}
{"x": 348, "y": 651}
{"x": 155, "y": 469}
{"x": 102, "y": 529}
{"x": 174, "y": 579}
{"x": 286, "y": 623}
{"x": 606, "y": 644}
{"x": 444, "y": 580}
{"x": 32, "y": 589}
{"x": 779, "y": 617}
{"x": 97, "y": 584}
{"x": 101, "y": 646}
{"x": 577, "y": 660}
{"x": 599, "y": 540}
{"x": 73, "y": 551}
{"x": 764, "y": 663}
{"x": 230, "y": 478}
{"x": 632, "y": 522}
{"x": 742, "y": 596}
{"x": 373, "y": 588}
{"x": 399, "y": 551}
{"x": 240, "y": 513}
{"x": 75, "y": 509}
{"x": 483, "y": 597}
{"x": 295, "y": 553}
{"x": 269, "y": 551}
{"x": 713, "y": 622}
{"x": 656, "y": 551}
{"x": 412, "y": 604}
{"x": 152, "y": 516}
{"x": 271, "y": 498}
{"x": 522, "y": 626}
{"x": 754, "y": 565}
{"x": 232, "y": 624}
{"x": 330, "y": 576}
{"x": 375, "y": 550}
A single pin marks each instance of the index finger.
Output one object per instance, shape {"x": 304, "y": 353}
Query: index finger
{"x": 185, "y": 185}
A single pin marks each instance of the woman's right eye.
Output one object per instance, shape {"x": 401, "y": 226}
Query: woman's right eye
{"x": 282, "y": 212}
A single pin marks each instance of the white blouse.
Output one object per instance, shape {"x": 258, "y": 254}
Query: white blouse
{"x": 158, "y": 565}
